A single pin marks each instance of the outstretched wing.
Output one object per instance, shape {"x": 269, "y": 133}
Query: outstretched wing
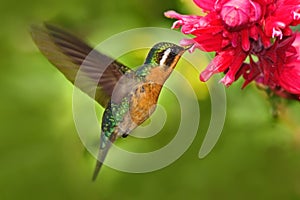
{"x": 93, "y": 72}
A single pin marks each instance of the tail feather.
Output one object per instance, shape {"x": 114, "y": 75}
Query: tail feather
{"x": 102, "y": 155}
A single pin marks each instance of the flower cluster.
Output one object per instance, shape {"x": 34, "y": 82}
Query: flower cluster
{"x": 255, "y": 29}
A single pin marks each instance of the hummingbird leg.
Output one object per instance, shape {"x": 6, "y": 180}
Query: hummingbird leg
{"x": 125, "y": 135}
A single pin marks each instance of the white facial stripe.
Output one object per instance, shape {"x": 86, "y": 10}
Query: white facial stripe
{"x": 165, "y": 56}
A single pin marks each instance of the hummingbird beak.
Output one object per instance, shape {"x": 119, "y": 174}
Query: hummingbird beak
{"x": 188, "y": 47}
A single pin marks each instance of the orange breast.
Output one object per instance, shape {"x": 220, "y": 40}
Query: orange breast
{"x": 144, "y": 101}
{"x": 159, "y": 74}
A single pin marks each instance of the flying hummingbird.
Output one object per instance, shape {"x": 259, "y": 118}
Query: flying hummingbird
{"x": 128, "y": 96}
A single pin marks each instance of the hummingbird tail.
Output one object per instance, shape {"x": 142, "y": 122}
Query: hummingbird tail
{"x": 101, "y": 156}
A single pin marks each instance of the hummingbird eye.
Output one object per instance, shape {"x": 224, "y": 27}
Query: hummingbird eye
{"x": 168, "y": 56}
{"x": 164, "y": 56}
{"x": 164, "y": 53}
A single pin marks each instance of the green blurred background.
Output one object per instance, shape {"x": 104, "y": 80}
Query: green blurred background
{"x": 42, "y": 157}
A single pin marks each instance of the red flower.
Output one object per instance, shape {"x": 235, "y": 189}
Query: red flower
{"x": 236, "y": 30}
{"x": 287, "y": 74}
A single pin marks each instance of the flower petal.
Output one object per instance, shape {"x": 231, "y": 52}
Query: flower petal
{"x": 234, "y": 67}
{"x": 289, "y": 73}
{"x": 220, "y": 63}
{"x": 207, "y": 5}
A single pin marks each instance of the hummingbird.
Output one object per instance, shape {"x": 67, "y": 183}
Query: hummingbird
{"x": 128, "y": 96}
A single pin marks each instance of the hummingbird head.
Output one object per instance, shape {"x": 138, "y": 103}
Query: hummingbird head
{"x": 165, "y": 54}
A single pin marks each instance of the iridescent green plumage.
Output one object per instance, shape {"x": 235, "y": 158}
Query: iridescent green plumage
{"x": 129, "y": 96}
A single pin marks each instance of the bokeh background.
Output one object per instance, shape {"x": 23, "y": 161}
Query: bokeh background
{"x": 42, "y": 157}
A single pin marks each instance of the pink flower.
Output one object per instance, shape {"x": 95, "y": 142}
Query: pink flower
{"x": 236, "y": 30}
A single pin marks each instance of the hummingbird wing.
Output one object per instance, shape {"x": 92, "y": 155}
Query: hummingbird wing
{"x": 91, "y": 71}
